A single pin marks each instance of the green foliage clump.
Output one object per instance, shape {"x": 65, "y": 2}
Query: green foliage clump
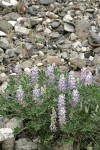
{"x": 82, "y": 125}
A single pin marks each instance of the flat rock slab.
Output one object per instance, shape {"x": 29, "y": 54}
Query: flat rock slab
{"x": 46, "y": 2}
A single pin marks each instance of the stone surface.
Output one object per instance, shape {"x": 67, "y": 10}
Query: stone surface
{"x": 77, "y": 62}
{"x": 46, "y": 2}
{"x": 5, "y": 26}
{"x": 22, "y": 30}
{"x": 25, "y": 144}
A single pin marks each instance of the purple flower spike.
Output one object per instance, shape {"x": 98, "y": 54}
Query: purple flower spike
{"x": 34, "y": 75}
{"x": 89, "y": 79}
{"x": 62, "y": 84}
{"x": 83, "y": 74}
{"x": 50, "y": 74}
{"x": 61, "y": 110}
{"x": 75, "y": 97}
{"x": 36, "y": 93}
{"x": 20, "y": 94}
{"x": 18, "y": 69}
{"x": 71, "y": 80}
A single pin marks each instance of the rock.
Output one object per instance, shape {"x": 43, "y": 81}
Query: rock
{"x": 10, "y": 52}
{"x": 77, "y": 62}
{"x": 67, "y": 18}
{"x": 55, "y": 24}
{"x": 25, "y": 144}
{"x": 82, "y": 25}
{"x": 64, "y": 55}
{"x": 5, "y": 26}
{"x": 27, "y": 64}
{"x": 97, "y": 50}
{"x": 98, "y": 69}
{"x": 96, "y": 60}
{"x": 73, "y": 37}
{"x": 2, "y": 33}
{"x": 3, "y": 77}
{"x": 3, "y": 88}
{"x": 47, "y": 31}
{"x": 14, "y": 123}
{"x": 54, "y": 35}
{"x": 35, "y": 20}
{"x": 8, "y": 144}
{"x": 46, "y": 2}
{"x": 69, "y": 27}
{"x": 39, "y": 45}
{"x": 4, "y": 44}
{"x": 82, "y": 28}
{"x": 41, "y": 54}
{"x": 64, "y": 147}
{"x": 27, "y": 71}
{"x": 94, "y": 39}
{"x": 12, "y": 23}
{"x": 52, "y": 60}
{"x": 22, "y": 30}
{"x": 10, "y": 3}
{"x": 1, "y": 55}
{"x": 7, "y": 138}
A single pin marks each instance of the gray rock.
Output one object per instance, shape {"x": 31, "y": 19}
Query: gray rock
{"x": 96, "y": 60}
{"x": 82, "y": 25}
{"x": 93, "y": 38}
{"x": 3, "y": 77}
{"x": 25, "y": 144}
{"x": 85, "y": 43}
{"x": 97, "y": 50}
{"x": 54, "y": 35}
{"x": 5, "y": 26}
{"x": 14, "y": 16}
{"x": 55, "y": 24}
{"x": 27, "y": 64}
{"x": 98, "y": 69}
{"x": 1, "y": 55}
{"x": 35, "y": 20}
{"x": 14, "y": 123}
{"x": 46, "y": 2}
{"x": 22, "y": 30}
{"x": 4, "y": 44}
{"x": 10, "y": 52}
{"x": 69, "y": 27}
{"x": 8, "y": 144}
{"x": 77, "y": 62}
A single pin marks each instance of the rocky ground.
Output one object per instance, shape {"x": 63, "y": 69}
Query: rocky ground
{"x": 41, "y": 32}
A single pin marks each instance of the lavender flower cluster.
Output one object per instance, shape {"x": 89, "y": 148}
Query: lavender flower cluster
{"x": 63, "y": 87}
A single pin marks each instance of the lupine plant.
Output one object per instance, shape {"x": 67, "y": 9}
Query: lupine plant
{"x": 54, "y": 107}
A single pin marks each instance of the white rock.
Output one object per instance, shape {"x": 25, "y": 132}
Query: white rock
{"x": 11, "y": 3}
{"x": 39, "y": 64}
{"x": 27, "y": 71}
{"x": 76, "y": 44}
{"x": 81, "y": 55}
{"x": 22, "y": 30}
{"x": 41, "y": 54}
{"x": 2, "y": 33}
{"x": 47, "y": 31}
{"x": 2, "y": 138}
{"x": 12, "y": 23}
{"x": 3, "y": 87}
{"x": 73, "y": 36}
{"x": 84, "y": 49}
{"x": 67, "y": 18}
{"x": 7, "y": 133}
{"x": 3, "y": 77}
{"x": 91, "y": 58}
